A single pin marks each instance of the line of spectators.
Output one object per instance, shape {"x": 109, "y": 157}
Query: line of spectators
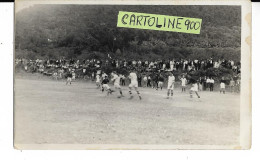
{"x": 166, "y": 65}
{"x": 149, "y": 71}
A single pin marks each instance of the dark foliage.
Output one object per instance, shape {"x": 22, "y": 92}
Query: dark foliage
{"x": 89, "y": 31}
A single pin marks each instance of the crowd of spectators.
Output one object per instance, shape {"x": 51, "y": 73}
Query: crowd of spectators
{"x": 149, "y": 71}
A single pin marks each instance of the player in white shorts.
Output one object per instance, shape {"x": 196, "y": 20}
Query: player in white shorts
{"x": 133, "y": 84}
{"x": 116, "y": 80}
{"x": 170, "y": 87}
{"x": 73, "y": 76}
{"x": 194, "y": 88}
{"x": 98, "y": 81}
{"x": 222, "y": 85}
{"x": 183, "y": 83}
{"x": 102, "y": 78}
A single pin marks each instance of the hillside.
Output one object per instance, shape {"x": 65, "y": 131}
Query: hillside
{"x": 84, "y": 31}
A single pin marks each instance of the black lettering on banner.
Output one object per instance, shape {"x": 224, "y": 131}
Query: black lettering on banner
{"x": 138, "y": 21}
{"x": 171, "y": 23}
{"x": 145, "y": 19}
{"x": 192, "y": 25}
{"x": 187, "y": 24}
{"x": 124, "y": 17}
{"x": 178, "y": 23}
{"x": 149, "y": 20}
{"x": 132, "y": 19}
{"x": 157, "y": 25}
{"x": 198, "y": 25}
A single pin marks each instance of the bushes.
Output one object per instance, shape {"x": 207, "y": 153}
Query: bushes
{"x": 19, "y": 67}
{"x": 167, "y": 53}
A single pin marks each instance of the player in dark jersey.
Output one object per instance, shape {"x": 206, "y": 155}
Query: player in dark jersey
{"x": 155, "y": 80}
{"x": 160, "y": 82}
{"x": 106, "y": 86}
{"x": 69, "y": 78}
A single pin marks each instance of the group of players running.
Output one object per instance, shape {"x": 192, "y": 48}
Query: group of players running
{"x": 102, "y": 83}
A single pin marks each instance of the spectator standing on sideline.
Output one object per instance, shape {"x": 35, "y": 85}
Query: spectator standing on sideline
{"x": 211, "y": 82}
{"x": 145, "y": 81}
{"x": 232, "y": 85}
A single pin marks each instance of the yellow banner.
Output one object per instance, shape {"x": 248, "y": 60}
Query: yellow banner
{"x": 159, "y": 22}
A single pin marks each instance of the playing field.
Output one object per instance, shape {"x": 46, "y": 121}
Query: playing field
{"x": 50, "y": 112}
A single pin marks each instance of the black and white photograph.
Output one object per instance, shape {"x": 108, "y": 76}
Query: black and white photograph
{"x": 83, "y": 82}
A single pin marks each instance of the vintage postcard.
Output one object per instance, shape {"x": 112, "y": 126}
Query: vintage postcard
{"x": 132, "y": 74}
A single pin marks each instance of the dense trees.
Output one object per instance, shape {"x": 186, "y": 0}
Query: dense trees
{"x": 81, "y": 31}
